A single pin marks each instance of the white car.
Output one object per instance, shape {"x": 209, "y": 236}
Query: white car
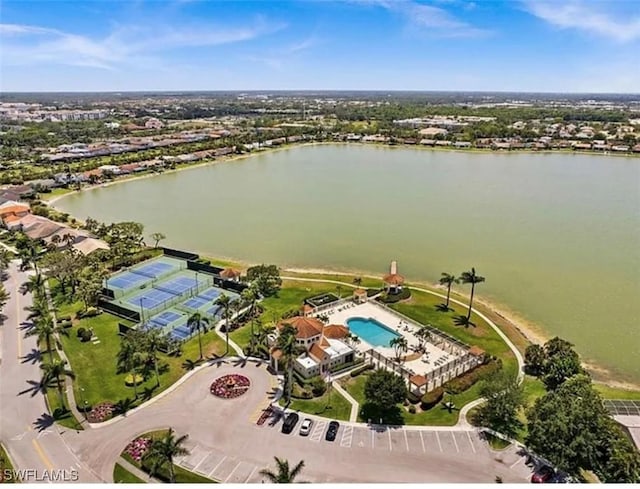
{"x": 305, "y": 429}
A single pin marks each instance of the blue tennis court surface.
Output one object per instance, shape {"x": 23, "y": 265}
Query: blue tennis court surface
{"x": 154, "y": 269}
{"x": 177, "y": 285}
{"x": 195, "y": 303}
{"x": 126, "y": 280}
{"x": 150, "y": 298}
{"x": 210, "y": 294}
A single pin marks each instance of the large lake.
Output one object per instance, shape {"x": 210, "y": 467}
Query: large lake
{"x": 556, "y": 235}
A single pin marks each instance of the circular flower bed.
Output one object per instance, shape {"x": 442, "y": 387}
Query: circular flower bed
{"x": 230, "y": 386}
{"x": 138, "y": 447}
{"x": 101, "y": 412}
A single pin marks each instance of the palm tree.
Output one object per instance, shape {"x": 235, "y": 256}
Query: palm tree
{"x": 283, "y": 475}
{"x": 45, "y": 330}
{"x": 29, "y": 253}
{"x": 339, "y": 290}
{"x": 400, "y": 345}
{"x": 423, "y": 336}
{"x": 198, "y": 323}
{"x": 261, "y": 344}
{"x": 290, "y": 349}
{"x": 129, "y": 359}
{"x": 357, "y": 281}
{"x": 5, "y": 259}
{"x": 162, "y": 452}
{"x": 33, "y": 285}
{"x": 250, "y": 296}
{"x": 54, "y": 372}
{"x": 224, "y": 302}
{"x": 38, "y": 308}
{"x": 448, "y": 280}
{"x": 154, "y": 341}
{"x": 473, "y": 279}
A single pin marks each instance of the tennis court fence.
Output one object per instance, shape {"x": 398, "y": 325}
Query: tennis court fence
{"x": 195, "y": 290}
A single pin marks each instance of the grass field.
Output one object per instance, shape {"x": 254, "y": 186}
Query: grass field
{"x": 339, "y": 407}
{"x": 123, "y": 476}
{"x": 6, "y": 465}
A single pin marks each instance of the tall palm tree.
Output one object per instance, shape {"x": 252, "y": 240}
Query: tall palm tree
{"x": 33, "y": 285}
{"x": 224, "y": 302}
{"x": 448, "y": 280}
{"x": 423, "y": 336}
{"x": 5, "y": 259}
{"x": 38, "y": 308}
{"x": 154, "y": 341}
{"x": 45, "y": 330}
{"x": 250, "y": 296}
{"x": 282, "y": 474}
{"x": 198, "y": 323}
{"x": 290, "y": 350}
{"x": 129, "y": 359}
{"x": 357, "y": 281}
{"x": 400, "y": 345}
{"x": 29, "y": 253}
{"x": 261, "y": 344}
{"x": 162, "y": 452}
{"x": 471, "y": 278}
{"x": 54, "y": 372}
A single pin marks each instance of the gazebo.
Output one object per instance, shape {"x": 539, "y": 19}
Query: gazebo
{"x": 360, "y": 296}
{"x": 393, "y": 281}
{"x": 335, "y": 331}
{"x": 231, "y": 274}
{"x": 418, "y": 384}
{"x": 306, "y": 309}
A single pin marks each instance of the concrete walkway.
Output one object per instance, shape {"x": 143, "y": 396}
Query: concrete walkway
{"x": 355, "y": 407}
{"x": 140, "y": 474}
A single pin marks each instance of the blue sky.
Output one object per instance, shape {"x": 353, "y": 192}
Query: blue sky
{"x": 517, "y": 45}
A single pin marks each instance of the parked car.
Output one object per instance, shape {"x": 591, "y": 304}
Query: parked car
{"x": 543, "y": 474}
{"x": 332, "y": 432}
{"x": 290, "y": 422}
{"x": 305, "y": 429}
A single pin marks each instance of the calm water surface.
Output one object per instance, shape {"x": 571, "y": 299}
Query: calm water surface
{"x": 556, "y": 235}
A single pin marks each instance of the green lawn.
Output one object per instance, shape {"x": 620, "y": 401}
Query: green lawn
{"x": 339, "y": 408}
{"x": 95, "y": 364}
{"x": 608, "y": 392}
{"x": 5, "y": 465}
{"x": 123, "y": 476}
{"x": 436, "y": 416}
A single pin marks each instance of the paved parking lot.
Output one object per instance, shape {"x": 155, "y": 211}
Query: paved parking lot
{"x": 216, "y": 465}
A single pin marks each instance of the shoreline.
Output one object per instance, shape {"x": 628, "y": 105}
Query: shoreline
{"x": 533, "y": 333}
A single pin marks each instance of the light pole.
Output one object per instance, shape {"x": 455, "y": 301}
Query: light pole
{"x": 141, "y": 311}
{"x": 84, "y": 403}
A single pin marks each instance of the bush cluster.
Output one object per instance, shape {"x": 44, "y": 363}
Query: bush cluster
{"x": 468, "y": 379}
{"x": 390, "y": 298}
{"x": 359, "y": 370}
{"x": 84, "y": 334}
{"x": 432, "y": 398}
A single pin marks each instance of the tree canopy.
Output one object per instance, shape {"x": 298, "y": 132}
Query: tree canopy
{"x": 384, "y": 389}
{"x": 265, "y": 278}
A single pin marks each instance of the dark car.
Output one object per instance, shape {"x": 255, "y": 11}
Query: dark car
{"x": 332, "y": 432}
{"x": 543, "y": 474}
{"x": 290, "y": 422}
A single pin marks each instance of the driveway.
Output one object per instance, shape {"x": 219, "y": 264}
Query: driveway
{"x": 226, "y": 443}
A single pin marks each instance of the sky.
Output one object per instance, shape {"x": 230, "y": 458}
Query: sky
{"x": 479, "y": 45}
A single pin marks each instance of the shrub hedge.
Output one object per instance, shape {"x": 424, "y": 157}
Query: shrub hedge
{"x": 468, "y": 379}
{"x": 359, "y": 370}
{"x": 393, "y": 298}
{"x": 432, "y": 398}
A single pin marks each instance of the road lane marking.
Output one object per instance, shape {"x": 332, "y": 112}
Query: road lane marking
{"x": 471, "y": 442}
{"x": 406, "y": 440}
{"x": 390, "y": 446}
{"x": 454, "y": 441}
{"x": 439, "y": 444}
{"x": 216, "y": 467}
{"x": 251, "y": 474}
{"x": 424, "y": 450}
{"x": 41, "y": 454}
{"x": 234, "y": 469}
{"x": 373, "y": 439}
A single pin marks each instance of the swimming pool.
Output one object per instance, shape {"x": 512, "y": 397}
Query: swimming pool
{"x": 373, "y": 332}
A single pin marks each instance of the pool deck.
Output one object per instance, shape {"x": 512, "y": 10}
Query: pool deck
{"x": 344, "y": 312}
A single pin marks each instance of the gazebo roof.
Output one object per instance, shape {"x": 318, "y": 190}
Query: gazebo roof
{"x": 477, "y": 351}
{"x": 335, "y": 331}
{"x": 360, "y": 292}
{"x": 306, "y": 327}
{"x": 418, "y": 380}
{"x": 393, "y": 279}
{"x": 306, "y": 308}
{"x": 276, "y": 353}
{"x": 230, "y": 273}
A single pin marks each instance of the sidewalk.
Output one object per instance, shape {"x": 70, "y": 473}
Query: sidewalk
{"x": 355, "y": 407}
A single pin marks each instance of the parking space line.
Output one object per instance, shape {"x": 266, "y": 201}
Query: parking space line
{"x": 216, "y": 467}
{"x": 471, "y": 442}
{"x": 347, "y": 437}
{"x": 454, "y": 441}
{"x": 251, "y": 474}
{"x": 373, "y": 439}
{"x": 406, "y": 440}
{"x": 439, "y": 444}
{"x": 234, "y": 469}
{"x": 318, "y": 430}
{"x": 390, "y": 446}
{"x": 424, "y": 450}
{"x": 520, "y": 459}
{"x": 198, "y": 464}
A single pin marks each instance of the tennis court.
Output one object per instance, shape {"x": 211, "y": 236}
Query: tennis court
{"x": 155, "y": 268}
{"x": 177, "y": 285}
{"x": 125, "y": 281}
{"x": 140, "y": 275}
{"x": 622, "y": 407}
{"x": 149, "y": 299}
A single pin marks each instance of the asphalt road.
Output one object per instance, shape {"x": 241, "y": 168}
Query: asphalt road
{"x": 26, "y": 428}
{"x": 224, "y": 440}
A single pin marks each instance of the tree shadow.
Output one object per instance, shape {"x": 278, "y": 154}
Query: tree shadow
{"x": 388, "y": 414}
{"x": 36, "y": 388}
{"x": 461, "y": 320}
{"x": 43, "y": 422}
{"x": 25, "y": 325}
{"x": 443, "y": 308}
{"x": 33, "y": 357}
{"x": 124, "y": 405}
{"x": 240, "y": 362}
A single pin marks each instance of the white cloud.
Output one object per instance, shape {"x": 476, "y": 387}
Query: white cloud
{"x": 590, "y": 17}
{"x": 431, "y": 20}
{"x": 126, "y": 45}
